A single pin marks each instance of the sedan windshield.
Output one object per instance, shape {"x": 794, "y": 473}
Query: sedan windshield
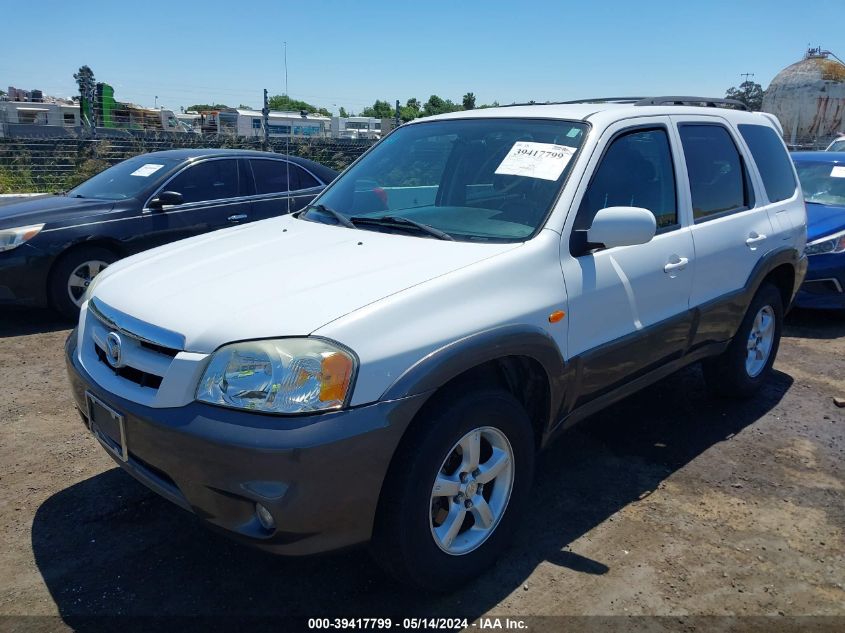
{"x": 463, "y": 179}
{"x": 125, "y": 180}
{"x": 823, "y": 183}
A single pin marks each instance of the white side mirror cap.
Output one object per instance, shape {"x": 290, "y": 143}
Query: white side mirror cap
{"x": 622, "y": 226}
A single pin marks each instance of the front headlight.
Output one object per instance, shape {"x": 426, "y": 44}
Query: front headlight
{"x": 289, "y": 375}
{"x": 831, "y": 244}
{"x": 12, "y": 238}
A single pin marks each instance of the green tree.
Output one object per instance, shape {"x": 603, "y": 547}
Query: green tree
{"x": 437, "y": 105}
{"x": 85, "y": 80}
{"x": 379, "y": 110}
{"x": 284, "y": 102}
{"x": 343, "y": 112}
{"x": 411, "y": 110}
{"x": 750, "y": 93}
{"x": 199, "y": 107}
{"x": 469, "y": 101}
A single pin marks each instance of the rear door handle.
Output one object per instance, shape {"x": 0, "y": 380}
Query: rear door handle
{"x": 675, "y": 263}
{"x": 237, "y": 218}
{"x": 754, "y": 238}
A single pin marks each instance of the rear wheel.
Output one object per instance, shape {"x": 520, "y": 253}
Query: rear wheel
{"x": 73, "y": 274}
{"x": 456, "y": 490}
{"x": 743, "y": 368}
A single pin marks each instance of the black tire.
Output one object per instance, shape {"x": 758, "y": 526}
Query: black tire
{"x": 57, "y": 286}
{"x": 726, "y": 374}
{"x": 403, "y": 543}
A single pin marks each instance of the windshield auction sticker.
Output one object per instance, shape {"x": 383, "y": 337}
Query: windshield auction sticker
{"x": 146, "y": 170}
{"x": 536, "y": 160}
{"x": 838, "y": 171}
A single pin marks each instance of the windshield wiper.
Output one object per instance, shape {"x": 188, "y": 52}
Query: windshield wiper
{"x": 337, "y": 215}
{"x": 401, "y": 221}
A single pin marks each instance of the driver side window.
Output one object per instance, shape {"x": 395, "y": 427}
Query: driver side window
{"x": 635, "y": 171}
{"x": 209, "y": 180}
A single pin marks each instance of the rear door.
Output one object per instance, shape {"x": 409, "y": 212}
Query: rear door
{"x": 731, "y": 227}
{"x": 281, "y": 187}
{"x": 212, "y": 199}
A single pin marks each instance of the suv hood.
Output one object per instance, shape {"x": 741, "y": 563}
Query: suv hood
{"x": 274, "y": 278}
{"x": 45, "y": 209}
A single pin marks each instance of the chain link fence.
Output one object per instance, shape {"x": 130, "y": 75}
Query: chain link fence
{"x": 59, "y": 164}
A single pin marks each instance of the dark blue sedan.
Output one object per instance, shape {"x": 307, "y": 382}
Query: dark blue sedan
{"x": 822, "y": 176}
{"x": 52, "y": 247}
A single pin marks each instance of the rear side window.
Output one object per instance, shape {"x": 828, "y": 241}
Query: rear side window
{"x": 209, "y": 180}
{"x": 276, "y": 176}
{"x": 772, "y": 161}
{"x": 635, "y": 171}
{"x": 718, "y": 180}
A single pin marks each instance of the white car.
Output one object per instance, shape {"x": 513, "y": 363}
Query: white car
{"x": 383, "y": 365}
{"x": 837, "y": 144}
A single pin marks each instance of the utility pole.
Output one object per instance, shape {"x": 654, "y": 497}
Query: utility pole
{"x": 398, "y": 115}
{"x": 266, "y": 112}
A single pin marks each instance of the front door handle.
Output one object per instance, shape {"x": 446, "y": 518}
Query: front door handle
{"x": 237, "y": 218}
{"x": 753, "y": 239}
{"x": 675, "y": 263}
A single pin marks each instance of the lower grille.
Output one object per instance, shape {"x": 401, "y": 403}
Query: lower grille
{"x": 822, "y": 287}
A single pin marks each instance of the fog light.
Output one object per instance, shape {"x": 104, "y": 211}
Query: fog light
{"x": 264, "y": 517}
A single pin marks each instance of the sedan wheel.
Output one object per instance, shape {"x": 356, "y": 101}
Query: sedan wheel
{"x": 81, "y": 278}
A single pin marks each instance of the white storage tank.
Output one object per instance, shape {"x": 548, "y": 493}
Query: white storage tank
{"x": 808, "y": 98}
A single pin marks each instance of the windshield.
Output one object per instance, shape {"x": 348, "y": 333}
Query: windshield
{"x": 126, "y": 179}
{"x": 837, "y": 146}
{"x": 473, "y": 179}
{"x": 823, "y": 183}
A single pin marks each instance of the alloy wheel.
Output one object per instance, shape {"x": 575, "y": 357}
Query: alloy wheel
{"x": 471, "y": 491}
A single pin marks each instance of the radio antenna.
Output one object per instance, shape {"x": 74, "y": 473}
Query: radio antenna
{"x": 290, "y": 129}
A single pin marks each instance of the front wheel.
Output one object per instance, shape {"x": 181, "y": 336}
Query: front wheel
{"x": 456, "y": 490}
{"x": 72, "y": 275}
{"x": 747, "y": 362}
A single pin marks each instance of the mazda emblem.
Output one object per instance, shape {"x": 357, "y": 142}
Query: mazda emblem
{"x": 113, "y": 352}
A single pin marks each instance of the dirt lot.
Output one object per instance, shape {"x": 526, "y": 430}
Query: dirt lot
{"x": 668, "y": 503}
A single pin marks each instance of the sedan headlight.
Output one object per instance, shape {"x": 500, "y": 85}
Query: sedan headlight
{"x": 831, "y": 244}
{"x": 12, "y": 238}
{"x": 290, "y": 375}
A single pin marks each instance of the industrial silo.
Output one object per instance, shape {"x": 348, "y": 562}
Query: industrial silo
{"x": 808, "y": 98}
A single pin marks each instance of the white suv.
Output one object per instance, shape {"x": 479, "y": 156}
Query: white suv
{"x": 383, "y": 365}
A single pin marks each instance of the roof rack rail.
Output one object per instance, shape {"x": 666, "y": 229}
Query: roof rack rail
{"x": 597, "y": 100}
{"x": 707, "y": 102}
{"x": 605, "y": 100}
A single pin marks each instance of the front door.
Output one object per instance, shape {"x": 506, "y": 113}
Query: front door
{"x": 628, "y": 306}
{"x": 211, "y": 199}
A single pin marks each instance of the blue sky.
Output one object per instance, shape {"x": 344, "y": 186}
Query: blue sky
{"x": 348, "y": 54}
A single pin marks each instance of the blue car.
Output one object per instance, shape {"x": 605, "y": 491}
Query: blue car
{"x": 822, "y": 176}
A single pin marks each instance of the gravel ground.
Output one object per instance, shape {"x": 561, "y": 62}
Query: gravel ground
{"x": 668, "y": 503}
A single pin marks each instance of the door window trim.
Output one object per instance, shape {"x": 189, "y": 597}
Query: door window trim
{"x": 199, "y": 203}
{"x": 747, "y": 180}
{"x": 639, "y": 127}
{"x": 249, "y": 160}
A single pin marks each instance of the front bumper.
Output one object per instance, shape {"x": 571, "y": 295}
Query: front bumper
{"x": 824, "y": 285}
{"x": 320, "y": 476}
{"x": 23, "y": 276}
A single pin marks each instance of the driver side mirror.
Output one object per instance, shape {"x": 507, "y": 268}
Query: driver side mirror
{"x": 622, "y": 226}
{"x": 166, "y": 198}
